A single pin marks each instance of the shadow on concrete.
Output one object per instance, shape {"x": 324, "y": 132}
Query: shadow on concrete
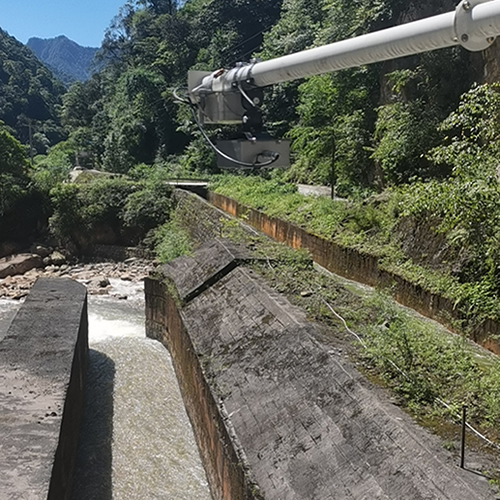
{"x": 92, "y": 477}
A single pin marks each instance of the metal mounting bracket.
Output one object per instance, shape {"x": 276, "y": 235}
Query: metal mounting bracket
{"x": 464, "y": 29}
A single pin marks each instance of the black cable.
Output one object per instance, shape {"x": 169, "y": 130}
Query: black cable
{"x": 194, "y": 108}
{"x": 246, "y": 96}
{"x": 224, "y": 155}
{"x": 180, "y": 99}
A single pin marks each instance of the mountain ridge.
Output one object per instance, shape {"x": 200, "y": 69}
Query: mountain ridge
{"x": 68, "y": 60}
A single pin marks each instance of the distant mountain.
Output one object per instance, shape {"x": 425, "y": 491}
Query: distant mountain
{"x": 30, "y": 95}
{"x": 69, "y": 61}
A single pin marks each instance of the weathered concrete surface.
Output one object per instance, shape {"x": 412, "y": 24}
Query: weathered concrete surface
{"x": 299, "y": 421}
{"x": 43, "y": 359}
{"x": 214, "y": 259}
{"x": 19, "y": 264}
{"x": 362, "y": 267}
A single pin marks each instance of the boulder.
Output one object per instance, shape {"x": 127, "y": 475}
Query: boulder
{"x": 100, "y": 282}
{"x": 19, "y": 264}
{"x": 41, "y": 250}
{"x": 57, "y": 258}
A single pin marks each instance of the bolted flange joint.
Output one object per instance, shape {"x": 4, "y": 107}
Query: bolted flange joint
{"x": 465, "y": 34}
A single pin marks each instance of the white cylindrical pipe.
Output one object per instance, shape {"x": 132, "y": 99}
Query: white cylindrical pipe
{"x": 413, "y": 38}
{"x": 486, "y": 19}
{"x": 482, "y": 22}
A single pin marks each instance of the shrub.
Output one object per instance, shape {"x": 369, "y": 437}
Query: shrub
{"x": 122, "y": 209}
{"x": 149, "y": 207}
{"x": 171, "y": 241}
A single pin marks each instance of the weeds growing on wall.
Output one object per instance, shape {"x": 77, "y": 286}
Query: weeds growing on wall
{"x": 369, "y": 225}
{"x": 415, "y": 357}
{"x": 171, "y": 241}
{"x": 423, "y": 364}
{"x": 436, "y": 363}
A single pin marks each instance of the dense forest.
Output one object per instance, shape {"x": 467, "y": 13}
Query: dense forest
{"x": 415, "y": 138}
{"x": 384, "y": 120}
{"x": 68, "y": 61}
{"x": 30, "y": 95}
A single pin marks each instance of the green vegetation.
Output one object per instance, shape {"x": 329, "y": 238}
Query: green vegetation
{"x": 13, "y": 170}
{"x": 455, "y": 258}
{"x": 30, "y": 97}
{"x": 424, "y": 364}
{"x": 412, "y": 143}
{"x": 170, "y": 241}
{"x": 107, "y": 211}
{"x": 69, "y": 61}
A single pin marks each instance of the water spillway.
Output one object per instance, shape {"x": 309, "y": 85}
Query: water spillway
{"x": 136, "y": 441}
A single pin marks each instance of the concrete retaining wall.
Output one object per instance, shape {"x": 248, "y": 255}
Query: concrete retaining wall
{"x": 43, "y": 361}
{"x": 359, "y": 266}
{"x": 278, "y": 414}
{"x": 223, "y": 466}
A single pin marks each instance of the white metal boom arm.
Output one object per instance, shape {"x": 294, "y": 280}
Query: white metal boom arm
{"x": 233, "y": 96}
{"x": 474, "y": 25}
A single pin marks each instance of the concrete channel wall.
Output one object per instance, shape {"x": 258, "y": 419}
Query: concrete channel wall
{"x": 227, "y": 477}
{"x": 277, "y": 414}
{"x": 43, "y": 361}
{"x": 358, "y": 266}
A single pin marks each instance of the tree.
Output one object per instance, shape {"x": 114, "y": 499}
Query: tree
{"x": 13, "y": 170}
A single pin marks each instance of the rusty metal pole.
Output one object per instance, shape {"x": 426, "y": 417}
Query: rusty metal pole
{"x": 464, "y": 425}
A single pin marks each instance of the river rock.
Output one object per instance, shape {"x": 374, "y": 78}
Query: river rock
{"x": 94, "y": 276}
{"x": 57, "y": 258}
{"x": 41, "y": 251}
{"x": 100, "y": 282}
{"x": 19, "y": 264}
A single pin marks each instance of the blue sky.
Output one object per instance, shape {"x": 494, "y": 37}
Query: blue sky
{"x": 83, "y": 21}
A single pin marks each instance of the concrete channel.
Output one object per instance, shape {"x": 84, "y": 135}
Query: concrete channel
{"x": 276, "y": 414}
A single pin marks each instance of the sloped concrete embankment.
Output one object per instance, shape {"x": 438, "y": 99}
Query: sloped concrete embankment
{"x": 359, "y": 266}
{"x": 43, "y": 360}
{"x": 276, "y": 413}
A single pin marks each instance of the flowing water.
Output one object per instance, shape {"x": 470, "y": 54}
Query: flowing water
{"x": 136, "y": 439}
{"x": 8, "y": 309}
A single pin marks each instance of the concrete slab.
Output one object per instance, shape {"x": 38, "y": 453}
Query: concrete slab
{"x": 43, "y": 358}
{"x": 309, "y": 426}
{"x": 194, "y": 273}
{"x": 268, "y": 399}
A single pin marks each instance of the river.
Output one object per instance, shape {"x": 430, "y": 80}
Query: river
{"x": 136, "y": 439}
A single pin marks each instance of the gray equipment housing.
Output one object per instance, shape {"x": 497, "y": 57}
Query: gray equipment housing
{"x": 254, "y": 152}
